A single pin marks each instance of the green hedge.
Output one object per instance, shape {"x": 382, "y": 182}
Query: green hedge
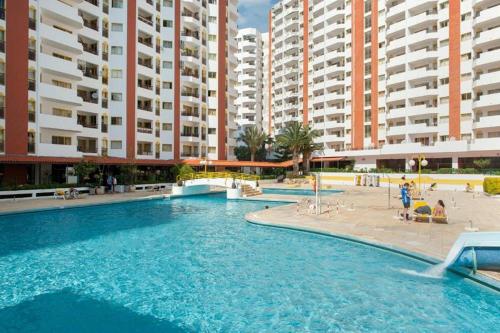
{"x": 491, "y": 185}
{"x": 464, "y": 171}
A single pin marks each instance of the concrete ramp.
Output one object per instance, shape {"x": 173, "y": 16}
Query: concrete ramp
{"x": 476, "y": 250}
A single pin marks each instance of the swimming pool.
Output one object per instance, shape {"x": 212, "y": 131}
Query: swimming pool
{"x": 297, "y": 191}
{"x": 195, "y": 265}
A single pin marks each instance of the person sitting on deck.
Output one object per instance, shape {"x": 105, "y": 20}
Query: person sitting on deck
{"x": 469, "y": 188}
{"x": 439, "y": 210}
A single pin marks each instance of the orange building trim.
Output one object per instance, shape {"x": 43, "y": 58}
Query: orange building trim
{"x": 16, "y": 72}
{"x": 221, "y": 84}
{"x": 177, "y": 79}
{"x": 357, "y": 77}
{"x": 131, "y": 77}
{"x": 374, "y": 73}
{"x": 305, "y": 69}
{"x": 270, "y": 73}
{"x": 454, "y": 69}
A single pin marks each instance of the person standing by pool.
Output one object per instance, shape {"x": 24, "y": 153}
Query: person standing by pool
{"x": 114, "y": 184}
{"x": 405, "y": 198}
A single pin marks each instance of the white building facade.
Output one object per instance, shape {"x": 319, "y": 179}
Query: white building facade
{"x": 136, "y": 80}
{"x": 250, "y": 76}
{"x": 386, "y": 81}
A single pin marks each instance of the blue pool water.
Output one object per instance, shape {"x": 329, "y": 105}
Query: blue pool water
{"x": 194, "y": 265}
{"x": 297, "y": 191}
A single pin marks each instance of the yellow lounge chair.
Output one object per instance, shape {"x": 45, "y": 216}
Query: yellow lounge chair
{"x": 421, "y": 217}
{"x": 60, "y": 194}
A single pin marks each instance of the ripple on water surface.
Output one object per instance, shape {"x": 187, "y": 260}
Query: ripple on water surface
{"x": 194, "y": 265}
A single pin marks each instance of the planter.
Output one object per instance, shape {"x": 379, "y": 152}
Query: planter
{"x": 100, "y": 190}
{"x": 131, "y": 188}
{"x": 92, "y": 191}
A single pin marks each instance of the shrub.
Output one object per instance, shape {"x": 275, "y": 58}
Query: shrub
{"x": 491, "y": 185}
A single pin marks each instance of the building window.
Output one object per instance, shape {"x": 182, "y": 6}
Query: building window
{"x": 117, "y": 50}
{"x": 117, "y": 3}
{"x": 167, "y": 126}
{"x": 166, "y": 148}
{"x": 117, "y": 97}
{"x": 116, "y": 121}
{"x": 116, "y": 73}
{"x": 168, "y": 23}
{"x": 118, "y": 27}
{"x": 167, "y": 105}
{"x": 116, "y": 144}
{"x": 466, "y": 96}
{"x": 167, "y": 64}
{"x": 167, "y": 44}
{"x": 167, "y": 85}
{"x": 61, "y": 140}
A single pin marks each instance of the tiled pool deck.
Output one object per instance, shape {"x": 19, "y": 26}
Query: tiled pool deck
{"x": 362, "y": 213}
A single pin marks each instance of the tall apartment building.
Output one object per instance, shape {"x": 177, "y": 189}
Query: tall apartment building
{"x": 140, "y": 81}
{"x": 266, "y": 84}
{"x": 384, "y": 81}
{"x": 249, "y": 70}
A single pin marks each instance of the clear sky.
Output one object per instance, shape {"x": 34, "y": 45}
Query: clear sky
{"x": 254, "y": 13}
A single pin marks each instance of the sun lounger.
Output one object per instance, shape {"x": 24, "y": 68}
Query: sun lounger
{"x": 60, "y": 194}
{"x": 428, "y": 218}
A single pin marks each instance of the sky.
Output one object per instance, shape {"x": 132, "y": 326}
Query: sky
{"x": 254, "y": 13}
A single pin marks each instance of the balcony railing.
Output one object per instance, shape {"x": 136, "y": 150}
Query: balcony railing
{"x": 89, "y": 150}
{"x": 32, "y": 23}
{"x": 31, "y": 54}
{"x": 195, "y": 35}
{"x": 145, "y": 41}
{"x": 192, "y": 15}
{"x": 104, "y": 151}
{"x": 145, "y": 130}
{"x": 93, "y": 2}
{"x": 87, "y": 97}
{"x": 190, "y": 73}
{"x": 104, "y": 128}
{"x": 145, "y": 85}
{"x": 145, "y": 107}
{"x": 87, "y": 124}
{"x": 189, "y": 154}
{"x": 157, "y": 133}
{"x": 146, "y": 20}
{"x": 104, "y": 103}
{"x": 31, "y": 116}
{"x": 144, "y": 152}
{"x": 145, "y": 62}
{"x": 190, "y": 93}
{"x": 31, "y": 147}
{"x": 191, "y": 135}
{"x": 105, "y": 56}
{"x": 105, "y": 32}
{"x": 91, "y": 24}
{"x": 190, "y": 114}
{"x": 31, "y": 85}
{"x": 90, "y": 48}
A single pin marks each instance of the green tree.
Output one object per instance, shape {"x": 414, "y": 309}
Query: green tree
{"x": 254, "y": 139}
{"x": 482, "y": 163}
{"x": 84, "y": 170}
{"x": 181, "y": 170}
{"x": 309, "y": 146}
{"x": 293, "y": 138}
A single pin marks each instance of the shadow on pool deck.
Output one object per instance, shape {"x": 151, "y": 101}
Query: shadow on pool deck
{"x": 65, "y": 311}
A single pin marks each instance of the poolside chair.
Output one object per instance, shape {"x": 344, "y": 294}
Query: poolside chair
{"x": 60, "y": 194}
{"x": 420, "y": 217}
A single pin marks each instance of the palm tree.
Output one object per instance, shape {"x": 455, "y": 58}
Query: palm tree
{"x": 309, "y": 146}
{"x": 293, "y": 138}
{"x": 253, "y": 138}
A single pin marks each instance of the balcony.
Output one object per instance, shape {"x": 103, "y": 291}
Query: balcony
{"x": 488, "y": 122}
{"x": 60, "y": 39}
{"x": 87, "y": 96}
{"x": 90, "y": 48}
{"x": 31, "y": 85}
{"x": 59, "y": 67}
{"x": 61, "y": 12}
{"x": 59, "y": 94}
{"x": 145, "y": 130}
{"x": 487, "y": 81}
{"x": 32, "y": 23}
{"x": 50, "y": 121}
{"x": 48, "y": 149}
{"x": 487, "y": 102}
{"x": 31, "y": 54}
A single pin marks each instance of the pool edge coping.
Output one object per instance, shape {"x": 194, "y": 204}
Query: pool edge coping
{"x": 478, "y": 278}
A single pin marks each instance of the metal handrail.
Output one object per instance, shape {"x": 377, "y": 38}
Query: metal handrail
{"x": 211, "y": 175}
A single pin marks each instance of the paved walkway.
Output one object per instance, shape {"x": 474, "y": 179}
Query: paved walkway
{"x": 25, "y": 204}
{"x": 364, "y": 213}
